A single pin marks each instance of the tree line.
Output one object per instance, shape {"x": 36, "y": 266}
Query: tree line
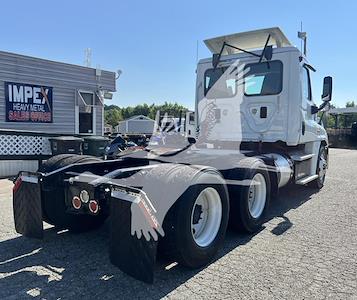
{"x": 114, "y": 114}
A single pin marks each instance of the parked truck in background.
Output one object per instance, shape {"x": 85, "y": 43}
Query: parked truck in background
{"x": 257, "y": 132}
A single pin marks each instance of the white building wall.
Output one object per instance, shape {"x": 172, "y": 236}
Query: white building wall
{"x": 13, "y": 167}
{"x": 65, "y": 79}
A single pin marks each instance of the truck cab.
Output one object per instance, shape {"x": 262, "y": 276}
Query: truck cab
{"x": 246, "y": 97}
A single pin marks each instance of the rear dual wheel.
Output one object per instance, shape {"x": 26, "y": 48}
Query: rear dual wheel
{"x": 250, "y": 197}
{"x": 257, "y": 196}
{"x": 54, "y": 209}
{"x": 206, "y": 216}
{"x": 196, "y": 225}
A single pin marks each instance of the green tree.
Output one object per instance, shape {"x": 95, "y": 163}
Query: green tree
{"x": 113, "y": 116}
{"x": 350, "y": 104}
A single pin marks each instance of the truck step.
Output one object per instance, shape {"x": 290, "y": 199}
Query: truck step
{"x": 307, "y": 179}
{"x": 299, "y": 157}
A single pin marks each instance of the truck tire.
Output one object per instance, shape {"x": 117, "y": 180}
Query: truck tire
{"x": 250, "y": 198}
{"x": 53, "y": 163}
{"x": 320, "y": 169}
{"x": 53, "y": 205}
{"x": 195, "y": 226}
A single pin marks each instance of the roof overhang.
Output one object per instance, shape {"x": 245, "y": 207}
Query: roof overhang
{"x": 248, "y": 40}
{"x": 344, "y": 110}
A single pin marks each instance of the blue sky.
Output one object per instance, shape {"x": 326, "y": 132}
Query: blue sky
{"x": 154, "y": 42}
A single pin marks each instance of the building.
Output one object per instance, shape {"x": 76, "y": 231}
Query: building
{"x": 41, "y": 98}
{"x": 52, "y": 97}
{"x": 108, "y": 129}
{"x": 136, "y": 125}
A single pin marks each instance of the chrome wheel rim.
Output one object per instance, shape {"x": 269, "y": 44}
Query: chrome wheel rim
{"x": 257, "y": 195}
{"x": 206, "y": 217}
{"x": 322, "y": 166}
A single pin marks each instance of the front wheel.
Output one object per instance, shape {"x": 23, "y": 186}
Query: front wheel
{"x": 320, "y": 169}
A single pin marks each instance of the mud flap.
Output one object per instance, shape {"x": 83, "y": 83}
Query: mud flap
{"x": 27, "y": 205}
{"x": 135, "y": 257}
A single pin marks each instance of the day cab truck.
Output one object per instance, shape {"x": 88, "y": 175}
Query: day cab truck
{"x": 257, "y": 132}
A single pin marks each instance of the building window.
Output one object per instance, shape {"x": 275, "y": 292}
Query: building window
{"x": 86, "y": 103}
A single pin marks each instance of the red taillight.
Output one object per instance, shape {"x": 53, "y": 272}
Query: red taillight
{"x": 93, "y": 206}
{"x": 17, "y": 184}
{"x": 76, "y": 202}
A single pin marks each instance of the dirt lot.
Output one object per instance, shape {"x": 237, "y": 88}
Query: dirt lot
{"x": 307, "y": 249}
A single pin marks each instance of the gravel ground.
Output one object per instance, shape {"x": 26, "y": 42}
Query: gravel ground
{"x": 306, "y": 250}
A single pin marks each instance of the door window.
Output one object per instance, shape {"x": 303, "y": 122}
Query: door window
{"x": 306, "y": 84}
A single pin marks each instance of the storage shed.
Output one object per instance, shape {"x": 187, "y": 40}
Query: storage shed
{"x": 136, "y": 125}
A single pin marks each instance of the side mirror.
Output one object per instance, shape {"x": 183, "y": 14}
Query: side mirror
{"x": 327, "y": 89}
{"x": 215, "y": 60}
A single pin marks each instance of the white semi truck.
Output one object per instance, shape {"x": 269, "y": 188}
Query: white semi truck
{"x": 257, "y": 132}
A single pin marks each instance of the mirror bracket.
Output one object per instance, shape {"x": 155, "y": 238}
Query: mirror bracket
{"x": 191, "y": 140}
{"x": 314, "y": 109}
{"x": 215, "y": 59}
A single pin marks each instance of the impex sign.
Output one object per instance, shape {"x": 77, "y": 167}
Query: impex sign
{"x": 28, "y": 103}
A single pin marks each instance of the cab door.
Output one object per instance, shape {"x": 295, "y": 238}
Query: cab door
{"x": 262, "y": 90}
{"x": 308, "y": 127}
